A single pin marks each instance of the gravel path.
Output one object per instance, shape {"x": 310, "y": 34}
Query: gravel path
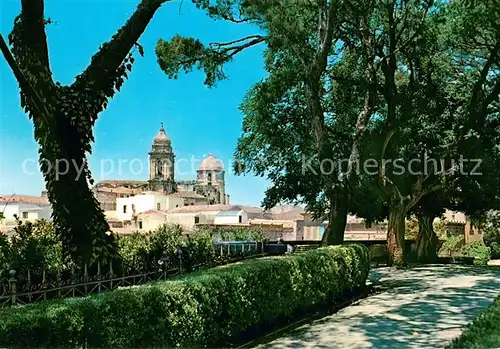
{"x": 420, "y": 308}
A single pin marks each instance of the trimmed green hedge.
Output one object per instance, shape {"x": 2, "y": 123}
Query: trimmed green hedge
{"x": 206, "y": 308}
{"x": 483, "y": 332}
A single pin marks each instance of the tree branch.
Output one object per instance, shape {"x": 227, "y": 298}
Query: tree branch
{"x": 100, "y": 73}
{"x": 34, "y": 37}
{"x": 33, "y": 97}
{"x": 478, "y": 86}
{"x": 218, "y": 45}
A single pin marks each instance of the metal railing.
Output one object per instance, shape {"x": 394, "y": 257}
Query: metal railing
{"x": 31, "y": 286}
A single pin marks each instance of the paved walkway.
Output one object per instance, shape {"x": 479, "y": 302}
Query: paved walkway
{"x": 422, "y": 308}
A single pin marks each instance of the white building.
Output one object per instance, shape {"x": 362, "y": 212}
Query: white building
{"x": 25, "y": 207}
{"x": 127, "y": 208}
{"x": 231, "y": 217}
{"x": 150, "y": 220}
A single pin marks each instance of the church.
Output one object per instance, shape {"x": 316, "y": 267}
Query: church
{"x": 207, "y": 189}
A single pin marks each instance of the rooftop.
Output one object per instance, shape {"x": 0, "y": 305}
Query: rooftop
{"x": 28, "y": 199}
{"x": 155, "y": 212}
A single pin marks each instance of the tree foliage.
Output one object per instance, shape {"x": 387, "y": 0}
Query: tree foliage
{"x": 64, "y": 116}
{"x": 399, "y": 80}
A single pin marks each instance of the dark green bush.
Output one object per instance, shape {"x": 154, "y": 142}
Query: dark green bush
{"x": 478, "y": 250}
{"x": 483, "y": 332}
{"x": 34, "y": 247}
{"x": 207, "y": 308}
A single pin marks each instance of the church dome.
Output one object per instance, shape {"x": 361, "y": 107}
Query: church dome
{"x": 161, "y": 137}
{"x": 211, "y": 163}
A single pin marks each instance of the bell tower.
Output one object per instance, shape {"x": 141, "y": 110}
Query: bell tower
{"x": 161, "y": 164}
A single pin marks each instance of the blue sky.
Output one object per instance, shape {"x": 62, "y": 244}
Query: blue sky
{"x": 198, "y": 120}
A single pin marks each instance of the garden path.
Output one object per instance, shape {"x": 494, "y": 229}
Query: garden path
{"x": 424, "y": 307}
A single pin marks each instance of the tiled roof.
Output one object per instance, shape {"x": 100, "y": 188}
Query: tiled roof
{"x": 38, "y": 200}
{"x": 163, "y": 213}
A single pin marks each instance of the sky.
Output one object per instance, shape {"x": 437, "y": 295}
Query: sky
{"x": 197, "y": 119}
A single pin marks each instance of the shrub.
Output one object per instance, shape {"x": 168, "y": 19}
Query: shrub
{"x": 452, "y": 244}
{"x": 495, "y": 250}
{"x": 35, "y": 247}
{"x": 146, "y": 250}
{"x": 207, "y": 308}
{"x": 479, "y": 251}
{"x": 483, "y": 332}
{"x": 239, "y": 234}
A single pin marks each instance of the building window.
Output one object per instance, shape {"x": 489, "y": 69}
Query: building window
{"x": 140, "y": 224}
{"x": 159, "y": 168}
{"x": 158, "y": 206}
{"x": 209, "y": 179}
{"x": 176, "y": 205}
{"x": 240, "y": 219}
{"x": 25, "y": 215}
{"x": 196, "y": 220}
{"x": 124, "y": 208}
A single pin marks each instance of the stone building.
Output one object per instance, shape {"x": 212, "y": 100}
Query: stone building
{"x": 207, "y": 188}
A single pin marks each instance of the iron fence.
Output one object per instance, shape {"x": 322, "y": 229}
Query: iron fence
{"x": 30, "y": 286}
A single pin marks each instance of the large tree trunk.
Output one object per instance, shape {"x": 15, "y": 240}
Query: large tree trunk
{"x": 63, "y": 118}
{"x": 427, "y": 240}
{"x": 77, "y": 215}
{"x": 396, "y": 235}
{"x": 337, "y": 219}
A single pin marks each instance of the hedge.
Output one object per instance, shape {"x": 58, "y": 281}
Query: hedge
{"x": 483, "y": 332}
{"x": 207, "y": 308}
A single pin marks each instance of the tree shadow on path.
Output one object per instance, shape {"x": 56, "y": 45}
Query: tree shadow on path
{"x": 424, "y": 307}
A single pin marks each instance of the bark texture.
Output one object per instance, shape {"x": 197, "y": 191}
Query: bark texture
{"x": 396, "y": 235}
{"x": 337, "y": 219}
{"x": 427, "y": 240}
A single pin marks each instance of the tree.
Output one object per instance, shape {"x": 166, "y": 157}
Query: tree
{"x": 311, "y": 35}
{"x": 64, "y": 117}
{"x": 472, "y": 33}
{"x": 417, "y": 84}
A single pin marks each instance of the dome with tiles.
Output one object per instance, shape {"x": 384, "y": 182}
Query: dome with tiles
{"x": 211, "y": 163}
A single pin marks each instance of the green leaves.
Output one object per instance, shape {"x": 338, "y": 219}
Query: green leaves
{"x": 210, "y": 308}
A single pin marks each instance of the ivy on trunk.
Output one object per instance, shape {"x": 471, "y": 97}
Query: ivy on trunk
{"x": 64, "y": 116}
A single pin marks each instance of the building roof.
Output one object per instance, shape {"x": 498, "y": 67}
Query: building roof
{"x": 153, "y": 212}
{"x": 211, "y": 163}
{"x": 161, "y": 137}
{"x": 228, "y": 213}
{"x": 28, "y": 199}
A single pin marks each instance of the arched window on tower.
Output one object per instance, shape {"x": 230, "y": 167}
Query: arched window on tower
{"x": 209, "y": 179}
{"x": 159, "y": 168}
